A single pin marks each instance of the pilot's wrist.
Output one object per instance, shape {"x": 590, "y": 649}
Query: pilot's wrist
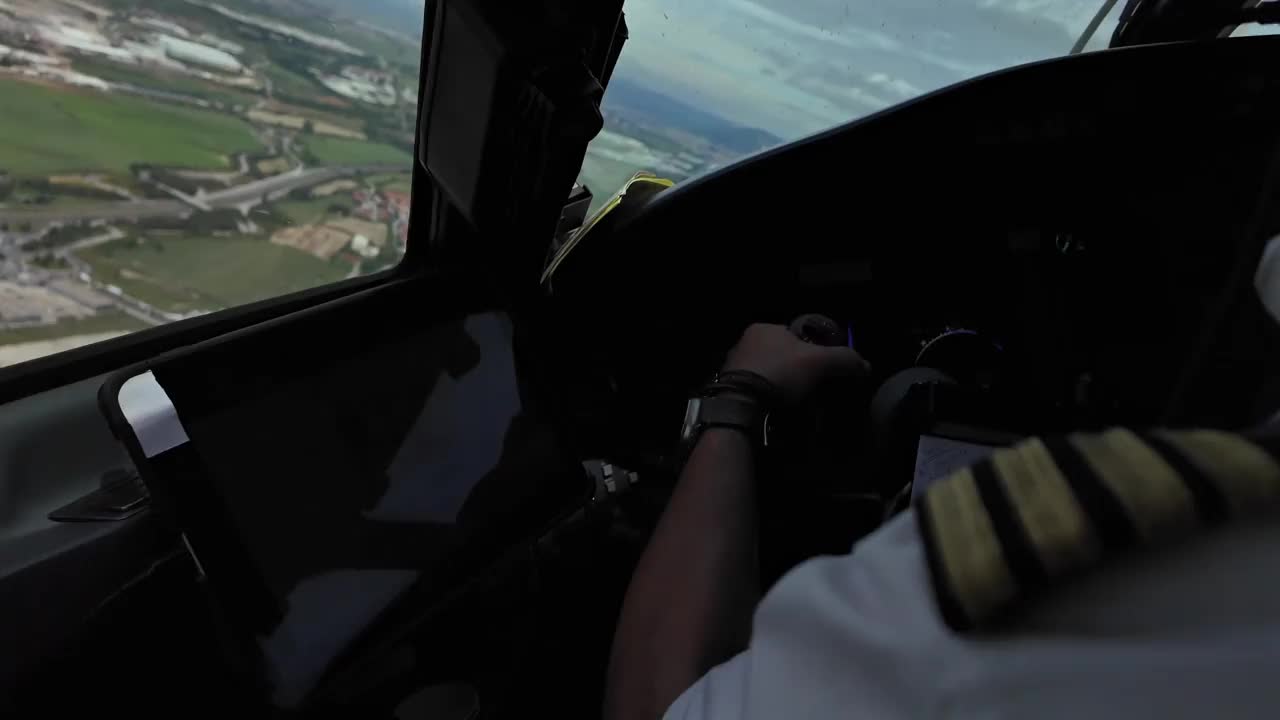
{"x": 727, "y": 436}
{"x": 722, "y": 447}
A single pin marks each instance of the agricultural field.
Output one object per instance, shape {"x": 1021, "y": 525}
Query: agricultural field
{"x": 336, "y": 118}
{"x": 338, "y": 151}
{"x": 291, "y": 84}
{"x": 166, "y": 81}
{"x": 185, "y": 273}
{"x": 395, "y": 183}
{"x": 46, "y": 129}
{"x": 104, "y": 322}
{"x": 302, "y": 212}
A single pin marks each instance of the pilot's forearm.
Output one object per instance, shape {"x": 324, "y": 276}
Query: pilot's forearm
{"x": 691, "y": 599}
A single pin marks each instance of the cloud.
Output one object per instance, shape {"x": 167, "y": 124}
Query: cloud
{"x": 795, "y": 67}
{"x": 896, "y": 86}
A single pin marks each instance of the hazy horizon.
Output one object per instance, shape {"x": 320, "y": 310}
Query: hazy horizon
{"x": 795, "y": 67}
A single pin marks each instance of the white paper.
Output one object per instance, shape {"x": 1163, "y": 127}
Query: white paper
{"x": 938, "y": 457}
{"x": 326, "y": 612}
{"x": 151, "y": 414}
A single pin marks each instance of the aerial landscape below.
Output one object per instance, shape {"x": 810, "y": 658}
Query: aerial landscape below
{"x": 167, "y": 158}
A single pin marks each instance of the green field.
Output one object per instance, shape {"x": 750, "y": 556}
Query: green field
{"x": 45, "y": 130}
{"x": 396, "y": 183}
{"x": 301, "y": 212}
{"x": 181, "y": 274}
{"x": 290, "y": 84}
{"x": 109, "y": 321}
{"x": 334, "y": 118}
{"x": 338, "y": 151}
{"x": 172, "y": 82}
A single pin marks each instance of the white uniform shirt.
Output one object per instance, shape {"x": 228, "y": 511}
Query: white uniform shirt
{"x": 1188, "y": 632}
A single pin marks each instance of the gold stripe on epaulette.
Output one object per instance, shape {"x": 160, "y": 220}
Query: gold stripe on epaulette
{"x": 1031, "y": 515}
{"x": 1154, "y": 496}
{"x": 1048, "y": 511}
{"x": 971, "y": 559}
{"x": 1245, "y": 474}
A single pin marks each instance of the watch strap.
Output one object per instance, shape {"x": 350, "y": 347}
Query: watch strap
{"x": 744, "y": 382}
{"x": 725, "y": 411}
{"x": 729, "y": 411}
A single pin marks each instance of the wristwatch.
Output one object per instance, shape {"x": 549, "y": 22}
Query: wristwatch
{"x": 724, "y": 411}
{"x": 735, "y": 399}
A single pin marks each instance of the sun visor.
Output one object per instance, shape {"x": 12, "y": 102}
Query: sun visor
{"x": 512, "y": 98}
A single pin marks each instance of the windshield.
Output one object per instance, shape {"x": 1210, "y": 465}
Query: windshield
{"x": 703, "y": 83}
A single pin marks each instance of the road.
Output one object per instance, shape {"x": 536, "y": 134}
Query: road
{"x": 126, "y": 210}
{"x": 20, "y": 260}
{"x": 99, "y": 239}
{"x": 287, "y": 182}
{"x": 128, "y": 305}
{"x": 241, "y": 197}
{"x": 273, "y": 186}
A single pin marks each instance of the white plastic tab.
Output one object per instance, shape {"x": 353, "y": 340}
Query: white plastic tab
{"x": 151, "y": 414}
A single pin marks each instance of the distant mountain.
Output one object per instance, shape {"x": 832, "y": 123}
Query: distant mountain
{"x": 677, "y": 114}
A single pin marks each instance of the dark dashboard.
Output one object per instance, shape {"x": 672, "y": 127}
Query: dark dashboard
{"x": 1097, "y": 218}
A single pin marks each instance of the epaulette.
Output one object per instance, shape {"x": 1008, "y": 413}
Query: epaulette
{"x": 1030, "y": 516}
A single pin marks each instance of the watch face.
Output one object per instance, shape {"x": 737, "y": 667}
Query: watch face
{"x": 690, "y": 419}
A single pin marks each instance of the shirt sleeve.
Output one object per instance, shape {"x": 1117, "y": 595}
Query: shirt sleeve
{"x": 1189, "y": 632}
{"x": 836, "y": 637}
{"x": 720, "y": 693}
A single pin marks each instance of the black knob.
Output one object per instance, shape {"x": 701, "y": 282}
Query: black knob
{"x": 817, "y": 329}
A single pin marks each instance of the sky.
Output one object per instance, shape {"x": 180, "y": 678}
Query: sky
{"x": 795, "y": 67}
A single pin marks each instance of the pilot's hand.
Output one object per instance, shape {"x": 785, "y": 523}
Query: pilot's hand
{"x": 793, "y": 365}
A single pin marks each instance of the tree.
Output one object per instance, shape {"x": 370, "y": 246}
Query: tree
{"x": 308, "y": 128}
